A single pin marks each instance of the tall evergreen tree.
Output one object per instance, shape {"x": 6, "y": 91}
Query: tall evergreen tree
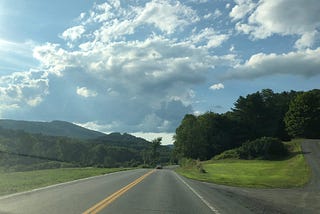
{"x": 303, "y": 117}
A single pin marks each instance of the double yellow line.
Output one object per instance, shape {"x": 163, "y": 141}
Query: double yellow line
{"x": 105, "y": 202}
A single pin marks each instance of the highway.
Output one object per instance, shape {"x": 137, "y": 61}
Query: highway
{"x": 163, "y": 191}
{"x": 160, "y": 191}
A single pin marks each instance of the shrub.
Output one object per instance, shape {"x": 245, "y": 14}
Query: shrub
{"x": 187, "y": 162}
{"x": 229, "y": 154}
{"x": 264, "y": 148}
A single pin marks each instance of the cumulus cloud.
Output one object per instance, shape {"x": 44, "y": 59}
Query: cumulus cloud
{"x": 241, "y": 9}
{"x": 217, "y": 86}
{"x": 53, "y": 59}
{"x": 284, "y": 17}
{"x": 73, "y": 33}
{"x": 137, "y": 63}
{"x": 167, "y": 16}
{"x": 304, "y": 63}
{"x": 21, "y": 89}
{"x": 307, "y": 40}
{"x": 85, "y": 92}
{"x": 209, "y": 37}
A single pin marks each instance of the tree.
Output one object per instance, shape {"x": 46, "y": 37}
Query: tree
{"x": 261, "y": 113}
{"x": 202, "y": 137}
{"x": 155, "y": 145}
{"x": 254, "y": 116}
{"x": 186, "y": 138}
{"x": 251, "y": 112}
{"x": 303, "y": 117}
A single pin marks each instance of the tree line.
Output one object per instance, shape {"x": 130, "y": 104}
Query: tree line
{"x": 283, "y": 116}
{"x": 20, "y": 150}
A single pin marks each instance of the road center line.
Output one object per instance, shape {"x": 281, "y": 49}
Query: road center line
{"x": 105, "y": 202}
{"x": 213, "y": 209}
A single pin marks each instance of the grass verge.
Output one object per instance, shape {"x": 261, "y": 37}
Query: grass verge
{"x": 14, "y": 182}
{"x": 291, "y": 172}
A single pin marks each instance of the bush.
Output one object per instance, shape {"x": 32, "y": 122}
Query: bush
{"x": 229, "y": 154}
{"x": 264, "y": 148}
{"x": 199, "y": 167}
{"x": 187, "y": 162}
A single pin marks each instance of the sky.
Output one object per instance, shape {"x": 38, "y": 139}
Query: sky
{"x": 139, "y": 66}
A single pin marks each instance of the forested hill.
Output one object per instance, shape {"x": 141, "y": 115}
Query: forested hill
{"x": 38, "y": 145}
{"x": 118, "y": 139}
{"x": 54, "y": 128}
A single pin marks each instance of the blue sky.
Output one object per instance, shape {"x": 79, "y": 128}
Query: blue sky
{"x": 139, "y": 66}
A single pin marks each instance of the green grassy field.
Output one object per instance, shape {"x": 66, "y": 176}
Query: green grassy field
{"x": 292, "y": 172}
{"x": 21, "y": 181}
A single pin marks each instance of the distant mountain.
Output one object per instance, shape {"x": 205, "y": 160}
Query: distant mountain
{"x": 119, "y": 138}
{"x": 122, "y": 140}
{"x": 54, "y": 128}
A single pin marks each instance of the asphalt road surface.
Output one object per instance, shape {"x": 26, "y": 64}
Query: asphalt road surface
{"x": 163, "y": 191}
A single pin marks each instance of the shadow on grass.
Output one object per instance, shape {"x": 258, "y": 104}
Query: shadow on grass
{"x": 293, "y": 154}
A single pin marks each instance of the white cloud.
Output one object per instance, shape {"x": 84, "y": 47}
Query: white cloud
{"x": 207, "y": 16}
{"x": 142, "y": 80}
{"x": 167, "y": 138}
{"x": 73, "y": 33}
{"x": 304, "y": 63}
{"x": 284, "y": 17}
{"x": 85, "y": 92}
{"x": 52, "y": 58}
{"x": 21, "y": 89}
{"x": 217, "y": 13}
{"x": 167, "y": 16}
{"x": 307, "y": 40}
{"x": 96, "y": 126}
{"x": 217, "y": 86}
{"x": 241, "y": 9}
{"x": 210, "y": 37}
{"x": 199, "y": 1}
{"x": 232, "y": 48}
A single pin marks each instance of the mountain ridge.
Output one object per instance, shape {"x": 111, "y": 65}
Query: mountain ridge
{"x": 53, "y": 128}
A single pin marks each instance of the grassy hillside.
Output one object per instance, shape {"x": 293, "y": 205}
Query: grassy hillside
{"x": 291, "y": 172}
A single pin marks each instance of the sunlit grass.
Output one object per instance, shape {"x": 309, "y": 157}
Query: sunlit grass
{"x": 292, "y": 172}
{"x": 21, "y": 181}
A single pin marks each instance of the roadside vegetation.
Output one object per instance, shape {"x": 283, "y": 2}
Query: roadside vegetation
{"x": 291, "y": 171}
{"x": 248, "y": 146}
{"x": 283, "y": 116}
{"x": 23, "y": 151}
{"x": 13, "y": 182}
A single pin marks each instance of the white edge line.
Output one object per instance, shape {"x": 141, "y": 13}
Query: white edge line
{"x": 56, "y": 185}
{"x": 213, "y": 209}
